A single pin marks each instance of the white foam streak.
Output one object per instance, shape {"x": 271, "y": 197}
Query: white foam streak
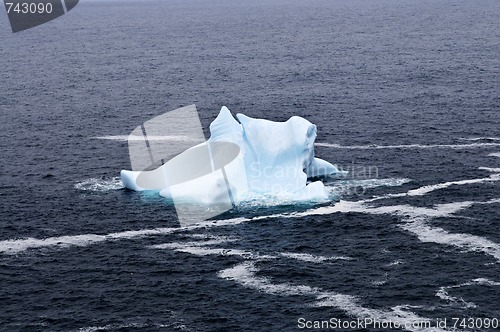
{"x": 401, "y": 210}
{"x": 15, "y": 246}
{"x": 118, "y": 327}
{"x": 415, "y": 218}
{"x": 245, "y": 274}
{"x": 427, "y": 189}
{"x": 200, "y": 248}
{"x": 126, "y": 138}
{"x": 489, "y": 169}
{"x": 430, "y": 188}
{"x": 426, "y": 233}
{"x": 443, "y": 294}
{"x": 202, "y": 251}
{"x": 313, "y": 258}
{"x": 482, "y": 281}
{"x": 381, "y": 281}
{"x": 495, "y": 154}
{"x": 175, "y": 245}
{"x": 19, "y": 245}
{"x": 409, "y": 146}
{"x": 481, "y": 139}
{"x": 396, "y": 262}
{"x": 94, "y": 184}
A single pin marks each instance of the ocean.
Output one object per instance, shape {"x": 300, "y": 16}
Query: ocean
{"x": 405, "y": 95}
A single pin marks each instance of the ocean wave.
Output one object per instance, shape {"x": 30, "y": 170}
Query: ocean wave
{"x": 100, "y": 185}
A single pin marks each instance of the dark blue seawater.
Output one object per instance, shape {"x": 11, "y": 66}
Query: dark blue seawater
{"x": 406, "y": 89}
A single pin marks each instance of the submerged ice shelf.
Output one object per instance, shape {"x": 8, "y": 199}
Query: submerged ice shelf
{"x": 243, "y": 158}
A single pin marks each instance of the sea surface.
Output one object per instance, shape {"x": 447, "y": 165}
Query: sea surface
{"x": 405, "y": 95}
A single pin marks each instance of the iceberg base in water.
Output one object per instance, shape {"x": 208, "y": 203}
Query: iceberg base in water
{"x": 242, "y": 159}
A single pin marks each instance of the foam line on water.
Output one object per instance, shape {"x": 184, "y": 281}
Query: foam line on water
{"x": 401, "y": 210}
{"x": 100, "y": 185}
{"x": 396, "y": 262}
{"x": 495, "y": 154}
{"x": 479, "y": 281}
{"x": 427, "y": 189}
{"x": 313, "y": 258}
{"x": 409, "y": 146}
{"x": 381, "y": 281}
{"x": 118, "y": 327}
{"x": 443, "y": 294}
{"x": 174, "y": 245}
{"x": 14, "y": 246}
{"x": 245, "y": 274}
{"x": 480, "y": 138}
{"x": 202, "y": 251}
{"x": 468, "y": 242}
{"x": 126, "y": 138}
{"x": 201, "y": 236}
{"x": 416, "y": 222}
{"x": 433, "y": 187}
{"x": 19, "y": 245}
{"x": 490, "y": 169}
{"x": 200, "y": 248}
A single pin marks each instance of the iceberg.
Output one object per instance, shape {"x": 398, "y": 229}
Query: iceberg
{"x": 243, "y": 158}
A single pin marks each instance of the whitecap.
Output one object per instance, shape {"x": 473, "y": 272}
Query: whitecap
{"x": 381, "y": 281}
{"x": 100, "y": 185}
{"x": 396, "y": 262}
{"x": 313, "y": 258}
